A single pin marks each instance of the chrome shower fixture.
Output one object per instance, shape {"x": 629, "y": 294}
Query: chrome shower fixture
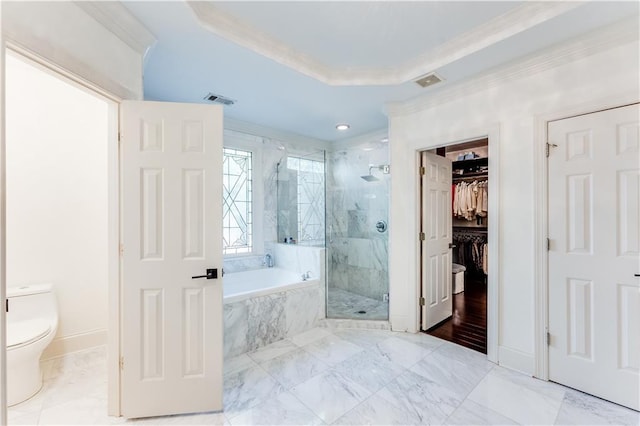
{"x": 385, "y": 168}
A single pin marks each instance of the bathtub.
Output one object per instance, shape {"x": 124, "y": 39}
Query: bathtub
{"x": 239, "y": 286}
{"x": 266, "y": 305}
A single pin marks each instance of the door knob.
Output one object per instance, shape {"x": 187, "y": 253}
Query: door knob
{"x": 212, "y": 274}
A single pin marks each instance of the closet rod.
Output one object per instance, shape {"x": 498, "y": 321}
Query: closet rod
{"x": 470, "y": 178}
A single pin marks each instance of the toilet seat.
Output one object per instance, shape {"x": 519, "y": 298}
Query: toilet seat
{"x": 21, "y": 333}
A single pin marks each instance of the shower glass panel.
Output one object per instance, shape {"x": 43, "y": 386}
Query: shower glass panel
{"x": 357, "y": 235}
{"x": 301, "y": 199}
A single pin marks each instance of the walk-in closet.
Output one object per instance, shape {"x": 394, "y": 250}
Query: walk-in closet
{"x": 467, "y": 324}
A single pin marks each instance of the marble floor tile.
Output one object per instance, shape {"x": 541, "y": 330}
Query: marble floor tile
{"x": 581, "y": 409}
{"x": 209, "y": 419}
{"x": 294, "y": 367}
{"x": 272, "y": 350}
{"x": 238, "y": 363}
{"x": 519, "y": 397}
{"x": 431, "y": 402}
{"x": 471, "y": 413}
{"x": 80, "y": 411}
{"x": 310, "y": 336}
{"x": 248, "y": 388}
{"x": 364, "y": 338}
{"x": 459, "y": 377}
{"x": 341, "y": 375}
{"x": 283, "y": 409}
{"x": 330, "y": 394}
{"x": 400, "y": 351}
{"x": 332, "y": 349}
{"x": 371, "y": 370}
{"x": 377, "y": 411}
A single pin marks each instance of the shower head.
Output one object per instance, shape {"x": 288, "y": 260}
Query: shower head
{"x": 370, "y": 178}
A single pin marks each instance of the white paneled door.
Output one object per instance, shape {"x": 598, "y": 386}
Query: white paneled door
{"x": 171, "y": 222}
{"x": 436, "y": 247}
{"x": 594, "y": 231}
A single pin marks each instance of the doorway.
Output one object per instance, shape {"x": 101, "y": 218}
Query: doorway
{"x": 61, "y": 183}
{"x": 465, "y": 322}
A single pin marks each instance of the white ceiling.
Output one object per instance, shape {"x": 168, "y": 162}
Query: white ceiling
{"x": 305, "y": 66}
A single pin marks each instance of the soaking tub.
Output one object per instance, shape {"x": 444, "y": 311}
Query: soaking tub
{"x": 260, "y": 282}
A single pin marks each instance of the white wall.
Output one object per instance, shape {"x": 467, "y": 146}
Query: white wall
{"x": 512, "y": 106}
{"x": 56, "y": 139}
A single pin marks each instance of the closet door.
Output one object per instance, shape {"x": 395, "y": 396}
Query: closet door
{"x": 594, "y": 219}
{"x": 436, "y": 247}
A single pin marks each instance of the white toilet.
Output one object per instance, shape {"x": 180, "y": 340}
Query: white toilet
{"x": 458, "y": 277}
{"x": 32, "y": 321}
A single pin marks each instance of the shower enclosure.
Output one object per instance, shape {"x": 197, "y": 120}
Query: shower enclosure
{"x": 340, "y": 200}
{"x": 357, "y": 234}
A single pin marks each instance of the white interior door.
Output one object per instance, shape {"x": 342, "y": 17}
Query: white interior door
{"x": 171, "y": 324}
{"x": 436, "y": 250}
{"x": 594, "y": 227}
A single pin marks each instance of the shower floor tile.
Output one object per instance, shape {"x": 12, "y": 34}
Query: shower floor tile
{"x": 344, "y": 304}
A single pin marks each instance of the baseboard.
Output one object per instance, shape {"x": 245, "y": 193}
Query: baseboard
{"x": 516, "y": 360}
{"x": 77, "y": 342}
{"x": 401, "y": 323}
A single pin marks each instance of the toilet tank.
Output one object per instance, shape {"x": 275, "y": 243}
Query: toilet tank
{"x": 31, "y": 301}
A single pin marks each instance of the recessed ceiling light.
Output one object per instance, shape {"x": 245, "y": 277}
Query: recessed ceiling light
{"x": 342, "y": 126}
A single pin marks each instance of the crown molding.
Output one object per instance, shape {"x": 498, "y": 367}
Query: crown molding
{"x": 500, "y": 28}
{"x": 372, "y": 139}
{"x": 252, "y": 129}
{"x": 611, "y": 36}
{"x": 117, "y": 19}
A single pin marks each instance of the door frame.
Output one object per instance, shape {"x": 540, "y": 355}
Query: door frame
{"x": 541, "y": 216}
{"x": 492, "y": 133}
{"x": 113, "y": 225}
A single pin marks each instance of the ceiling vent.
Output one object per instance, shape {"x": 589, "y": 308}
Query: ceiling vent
{"x": 217, "y": 99}
{"x": 429, "y": 80}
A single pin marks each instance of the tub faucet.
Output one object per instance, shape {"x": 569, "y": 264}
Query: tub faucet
{"x": 306, "y": 275}
{"x": 268, "y": 261}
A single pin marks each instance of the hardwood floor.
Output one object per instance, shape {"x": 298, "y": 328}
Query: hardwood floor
{"x": 468, "y": 325}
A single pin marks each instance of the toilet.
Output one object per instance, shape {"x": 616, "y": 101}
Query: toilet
{"x": 458, "y": 277}
{"x": 32, "y": 321}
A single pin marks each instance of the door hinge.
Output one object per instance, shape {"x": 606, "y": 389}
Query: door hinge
{"x": 549, "y": 146}
{"x": 548, "y": 244}
{"x": 422, "y": 236}
{"x": 422, "y": 301}
{"x": 423, "y": 171}
{"x": 121, "y": 363}
{"x": 548, "y": 338}
{"x": 121, "y": 249}
{"x": 119, "y": 137}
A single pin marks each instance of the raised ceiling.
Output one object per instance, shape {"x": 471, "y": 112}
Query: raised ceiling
{"x": 305, "y": 66}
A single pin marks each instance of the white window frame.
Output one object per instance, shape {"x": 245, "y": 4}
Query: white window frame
{"x": 253, "y": 144}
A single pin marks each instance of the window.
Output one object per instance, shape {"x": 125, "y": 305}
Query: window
{"x": 237, "y": 210}
{"x": 310, "y": 199}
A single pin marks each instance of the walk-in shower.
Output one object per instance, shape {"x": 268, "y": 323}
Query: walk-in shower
{"x": 322, "y": 200}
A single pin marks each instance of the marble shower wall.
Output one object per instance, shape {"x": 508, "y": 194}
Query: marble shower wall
{"x": 357, "y": 252}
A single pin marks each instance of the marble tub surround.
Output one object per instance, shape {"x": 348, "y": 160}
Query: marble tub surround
{"x": 284, "y": 383}
{"x": 243, "y": 263}
{"x": 259, "y": 321}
